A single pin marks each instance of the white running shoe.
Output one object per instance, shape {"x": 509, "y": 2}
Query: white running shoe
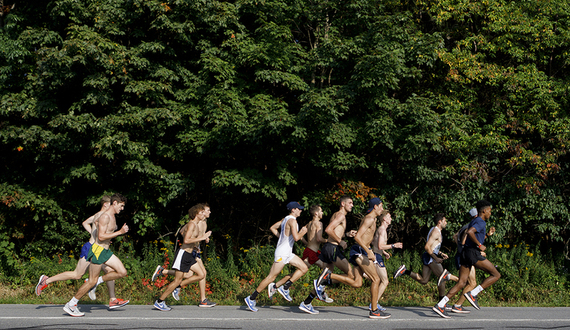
{"x": 72, "y": 310}
{"x": 284, "y": 293}
{"x": 176, "y": 293}
{"x": 250, "y": 304}
{"x": 308, "y": 308}
{"x": 271, "y": 290}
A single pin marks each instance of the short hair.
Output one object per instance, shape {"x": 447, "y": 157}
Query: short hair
{"x": 383, "y": 214}
{"x": 344, "y": 198}
{"x": 482, "y": 205}
{"x": 194, "y": 210}
{"x": 105, "y": 199}
{"x": 438, "y": 217}
{"x": 314, "y": 209}
{"x": 118, "y": 198}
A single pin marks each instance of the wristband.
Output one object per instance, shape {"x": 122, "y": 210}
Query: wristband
{"x": 392, "y": 246}
{"x": 479, "y": 246}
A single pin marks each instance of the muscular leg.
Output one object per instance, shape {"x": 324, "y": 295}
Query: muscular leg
{"x": 424, "y": 278}
{"x": 463, "y": 276}
{"x": 471, "y": 284}
{"x": 76, "y": 274}
{"x": 383, "y": 275}
{"x": 369, "y": 268}
{"x": 273, "y": 272}
{"x": 489, "y": 268}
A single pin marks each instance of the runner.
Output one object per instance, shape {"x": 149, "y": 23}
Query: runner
{"x": 186, "y": 257}
{"x": 99, "y": 254}
{"x": 83, "y": 264}
{"x": 283, "y": 255}
{"x": 310, "y": 257}
{"x": 459, "y": 239}
{"x": 160, "y": 271}
{"x": 363, "y": 257}
{"x": 471, "y": 256}
{"x": 432, "y": 259}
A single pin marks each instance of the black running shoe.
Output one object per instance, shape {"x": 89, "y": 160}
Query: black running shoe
{"x": 472, "y": 299}
{"x": 441, "y": 311}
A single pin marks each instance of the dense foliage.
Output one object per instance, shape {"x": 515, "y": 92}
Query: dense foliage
{"x": 248, "y": 104}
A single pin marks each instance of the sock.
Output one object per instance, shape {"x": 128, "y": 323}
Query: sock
{"x": 407, "y": 272}
{"x": 100, "y": 280}
{"x": 253, "y": 295}
{"x": 309, "y": 299}
{"x": 159, "y": 300}
{"x": 442, "y": 302}
{"x": 441, "y": 297}
{"x": 287, "y": 285}
{"x": 456, "y": 306}
{"x": 73, "y": 301}
{"x": 477, "y": 290}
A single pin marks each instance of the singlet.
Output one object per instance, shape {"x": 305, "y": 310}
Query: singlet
{"x": 437, "y": 247}
{"x": 285, "y": 243}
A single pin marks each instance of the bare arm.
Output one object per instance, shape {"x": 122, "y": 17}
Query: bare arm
{"x": 330, "y": 230}
{"x": 102, "y": 234}
{"x": 320, "y": 237}
{"x": 87, "y": 223}
{"x": 432, "y": 241}
{"x": 366, "y": 224}
{"x": 275, "y": 228}
{"x": 297, "y": 235}
{"x": 471, "y": 233}
{"x": 188, "y": 239}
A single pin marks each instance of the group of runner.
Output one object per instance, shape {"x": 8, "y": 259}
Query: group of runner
{"x": 366, "y": 257}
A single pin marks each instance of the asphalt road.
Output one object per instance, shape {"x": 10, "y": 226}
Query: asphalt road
{"x": 52, "y": 317}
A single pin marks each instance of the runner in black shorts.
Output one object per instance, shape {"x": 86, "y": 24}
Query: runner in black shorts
{"x": 472, "y": 256}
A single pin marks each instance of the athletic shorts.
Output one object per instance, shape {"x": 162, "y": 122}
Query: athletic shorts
{"x": 98, "y": 255}
{"x": 470, "y": 256}
{"x": 426, "y": 259}
{"x": 311, "y": 255}
{"x": 197, "y": 254}
{"x": 85, "y": 250}
{"x": 357, "y": 250}
{"x": 457, "y": 261}
{"x": 330, "y": 252}
{"x": 183, "y": 261}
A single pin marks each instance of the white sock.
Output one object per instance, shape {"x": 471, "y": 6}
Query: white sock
{"x": 443, "y": 301}
{"x": 476, "y": 290}
{"x": 73, "y": 301}
{"x": 100, "y": 280}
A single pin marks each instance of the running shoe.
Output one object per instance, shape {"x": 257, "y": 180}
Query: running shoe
{"x": 250, "y": 304}
{"x": 319, "y": 289}
{"x": 91, "y": 292}
{"x": 161, "y": 306}
{"x": 72, "y": 310}
{"x": 206, "y": 303}
{"x": 378, "y": 314}
{"x": 271, "y": 290}
{"x": 284, "y": 293}
{"x": 176, "y": 294}
{"x": 118, "y": 303}
{"x": 325, "y": 277}
{"x": 308, "y": 308}
{"x": 472, "y": 299}
{"x": 41, "y": 284}
{"x": 400, "y": 271}
{"x": 441, "y": 311}
{"x": 444, "y": 277}
{"x": 157, "y": 273}
{"x": 324, "y": 295}
{"x": 459, "y": 309}
{"x": 380, "y": 308}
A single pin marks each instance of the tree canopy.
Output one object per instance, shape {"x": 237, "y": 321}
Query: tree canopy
{"x": 248, "y": 104}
